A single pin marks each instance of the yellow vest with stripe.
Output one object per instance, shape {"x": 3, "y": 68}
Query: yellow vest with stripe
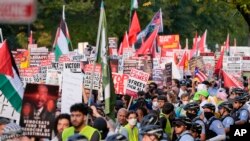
{"x": 87, "y": 131}
{"x": 133, "y": 134}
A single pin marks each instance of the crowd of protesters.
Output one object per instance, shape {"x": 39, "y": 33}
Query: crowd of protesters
{"x": 185, "y": 110}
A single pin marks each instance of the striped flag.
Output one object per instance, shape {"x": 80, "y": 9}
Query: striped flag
{"x": 102, "y": 58}
{"x": 200, "y": 75}
{"x": 62, "y": 40}
{"x": 10, "y": 83}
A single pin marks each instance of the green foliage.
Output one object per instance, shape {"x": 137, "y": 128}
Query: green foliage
{"x": 184, "y": 17}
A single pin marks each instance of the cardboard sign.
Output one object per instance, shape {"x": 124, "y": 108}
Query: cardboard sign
{"x": 137, "y": 82}
{"x": 120, "y": 82}
{"x": 6, "y": 109}
{"x": 96, "y": 76}
{"x": 38, "y": 110}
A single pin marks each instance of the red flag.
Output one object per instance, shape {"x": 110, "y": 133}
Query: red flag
{"x": 124, "y": 44}
{"x": 230, "y": 81}
{"x": 219, "y": 63}
{"x": 176, "y": 60}
{"x": 31, "y": 38}
{"x": 194, "y": 49}
{"x": 184, "y": 61}
{"x": 5, "y": 60}
{"x": 134, "y": 29}
{"x": 202, "y": 42}
{"x": 145, "y": 48}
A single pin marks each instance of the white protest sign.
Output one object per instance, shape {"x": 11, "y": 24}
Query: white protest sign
{"x": 52, "y": 77}
{"x": 73, "y": 67}
{"x": 71, "y": 90}
{"x": 137, "y": 82}
{"x": 6, "y": 109}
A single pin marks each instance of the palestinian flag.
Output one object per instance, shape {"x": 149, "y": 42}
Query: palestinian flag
{"x": 62, "y": 40}
{"x": 10, "y": 83}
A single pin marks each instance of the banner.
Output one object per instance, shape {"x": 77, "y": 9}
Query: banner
{"x": 38, "y": 110}
{"x": 158, "y": 77}
{"x": 120, "y": 82}
{"x": 245, "y": 63}
{"x": 137, "y": 82}
{"x": 113, "y": 46}
{"x": 196, "y": 62}
{"x": 167, "y": 43}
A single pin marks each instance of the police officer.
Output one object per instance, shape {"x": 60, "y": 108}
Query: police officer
{"x": 152, "y": 132}
{"x": 116, "y": 137}
{"x": 227, "y": 120}
{"x": 240, "y": 114}
{"x": 235, "y": 92}
{"x": 181, "y": 128}
{"x": 214, "y": 128}
{"x": 192, "y": 110}
{"x": 196, "y": 131}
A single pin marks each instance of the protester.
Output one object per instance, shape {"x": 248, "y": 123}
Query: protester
{"x": 78, "y": 119}
{"x": 61, "y": 122}
{"x": 121, "y": 119}
{"x": 131, "y": 131}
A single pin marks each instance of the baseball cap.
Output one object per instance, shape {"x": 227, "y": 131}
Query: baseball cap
{"x": 201, "y": 92}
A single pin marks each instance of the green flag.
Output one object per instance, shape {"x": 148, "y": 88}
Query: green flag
{"x": 102, "y": 58}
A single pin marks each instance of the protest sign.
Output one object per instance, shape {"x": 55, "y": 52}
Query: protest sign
{"x": 112, "y": 43}
{"x": 196, "y": 62}
{"x": 74, "y": 67}
{"x": 120, "y": 82}
{"x": 137, "y": 82}
{"x": 52, "y": 77}
{"x": 6, "y": 109}
{"x": 245, "y": 63}
{"x": 128, "y": 65}
{"x": 168, "y": 73}
{"x": 209, "y": 62}
{"x": 167, "y": 43}
{"x": 158, "y": 77}
{"x": 38, "y": 110}
{"x": 71, "y": 90}
{"x": 88, "y": 76}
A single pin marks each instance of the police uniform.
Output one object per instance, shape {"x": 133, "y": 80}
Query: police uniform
{"x": 227, "y": 121}
{"x": 242, "y": 114}
{"x": 216, "y": 127}
{"x": 185, "y": 136}
{"x": 200, "y": 122}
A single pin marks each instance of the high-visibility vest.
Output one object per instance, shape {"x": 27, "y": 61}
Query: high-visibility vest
{"x": 133, "y": 134}
{"x": 168, "y": 129}
{"x": 87, "y": 131}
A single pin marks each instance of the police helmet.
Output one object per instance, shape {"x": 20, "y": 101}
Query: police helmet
{"x": 116, "y": 137}
{"x": 227, "y": 105}
{"x": 191, "y": 106}
{"x": 152, "y": 130}
{"x": 238, "y": 91}
{"x": 241, "y": 99}
{"x": 150, "y": 119}
{"x": 209, "y": 106}
{"x": 195, "y": 127}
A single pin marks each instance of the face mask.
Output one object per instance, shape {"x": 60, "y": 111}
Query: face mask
{"x": 184, "y": 102}
{"x": 191, "y": 115}
{"x": 208, "y": 115}
{"x": 155, "y": 104}
{"x": 132, "y": 121}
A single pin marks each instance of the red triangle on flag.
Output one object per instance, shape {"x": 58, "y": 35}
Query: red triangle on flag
{"x": 5, "y": 60}
{"x": 202, "y": 42}
{"x": 134, "y": 29}
{"x": 148, "y": 43}
{"x": 230, "y": 81}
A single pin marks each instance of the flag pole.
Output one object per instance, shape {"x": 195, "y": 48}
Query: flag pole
{"x": 1, "y": 35}
{"x": 94, "y": 64}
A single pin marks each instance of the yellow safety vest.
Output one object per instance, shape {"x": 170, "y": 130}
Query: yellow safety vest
{"x": 87, "y": 131}
{"x": 133, "y": 134}
{"x": 168, "y": 129}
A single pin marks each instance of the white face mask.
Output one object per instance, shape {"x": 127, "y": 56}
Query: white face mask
{"x": 132, "y": 121}
{"x": 155, "y": 104}
{"x": 184, "y": 102}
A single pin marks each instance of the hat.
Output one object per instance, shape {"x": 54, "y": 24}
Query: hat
{"x": 101, "y": 125}
{"x": 201, "y": 87}
{"x": 202, "y": 92}
{"x": 11, "y": 130}
{"x": 183, "y": 83}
